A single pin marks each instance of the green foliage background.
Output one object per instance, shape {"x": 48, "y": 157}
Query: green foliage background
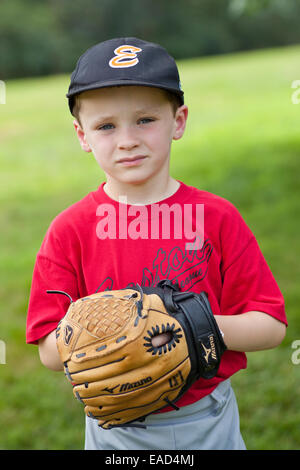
{"x": 242, "y": 142}
{"x": 47, "y": 37}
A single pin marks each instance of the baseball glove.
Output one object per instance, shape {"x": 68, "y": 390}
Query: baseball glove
{"x": 105, "y": 344}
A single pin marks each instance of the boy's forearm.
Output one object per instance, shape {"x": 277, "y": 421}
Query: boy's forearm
{"x": 48, "y": 352}
{"x": 251, "y": 331}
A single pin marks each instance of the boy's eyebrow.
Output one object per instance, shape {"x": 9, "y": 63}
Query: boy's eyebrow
{"x": 148, "y": 109}
{"x": 102, "y": 117}
{"x": 109, "y": 117}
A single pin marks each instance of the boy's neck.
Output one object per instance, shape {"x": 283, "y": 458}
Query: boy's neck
{"x": 141, "y": 194}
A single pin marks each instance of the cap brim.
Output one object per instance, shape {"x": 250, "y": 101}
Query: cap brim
{"x": 123, "y": 82}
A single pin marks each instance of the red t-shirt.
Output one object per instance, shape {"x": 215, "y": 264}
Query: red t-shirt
{"x": 194, "y": 237}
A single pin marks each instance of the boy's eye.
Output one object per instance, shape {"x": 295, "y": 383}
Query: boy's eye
{"x": 106, "y": 127}
{"x": 145, "y": 120}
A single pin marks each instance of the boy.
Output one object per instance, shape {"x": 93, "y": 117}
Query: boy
{"x": 128, "y": 106}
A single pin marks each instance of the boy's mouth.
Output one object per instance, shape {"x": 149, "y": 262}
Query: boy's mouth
{"x": 131, "y": 161}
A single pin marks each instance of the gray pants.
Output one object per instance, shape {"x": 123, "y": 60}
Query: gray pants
{"x": 209, "y": 424}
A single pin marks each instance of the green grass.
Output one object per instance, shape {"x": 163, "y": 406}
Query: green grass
{"x": 242, "y": 142}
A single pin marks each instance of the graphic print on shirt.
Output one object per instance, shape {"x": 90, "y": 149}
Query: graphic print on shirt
{"x": 187, "y": 267}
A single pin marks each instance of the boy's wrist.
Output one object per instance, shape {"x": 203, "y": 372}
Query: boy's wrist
{"x": 250, "y": 331}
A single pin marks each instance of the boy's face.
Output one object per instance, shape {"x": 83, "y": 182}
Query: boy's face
{"x": 129, "y": 129}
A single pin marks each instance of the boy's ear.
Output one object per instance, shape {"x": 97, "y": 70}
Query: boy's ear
{"x": 180, "y": 121}
{"x": 81, "y": 136}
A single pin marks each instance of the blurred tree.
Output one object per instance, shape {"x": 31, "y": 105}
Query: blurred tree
{"x": 38, "y": 38}
{"x": 265, "y": 23}
{"x": 29, "y": 39}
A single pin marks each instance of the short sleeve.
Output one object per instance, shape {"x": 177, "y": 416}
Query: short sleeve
{"x": 248, "y": 283}
{"x": 52, "y": 271}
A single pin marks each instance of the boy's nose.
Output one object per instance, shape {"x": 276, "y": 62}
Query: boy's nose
{"x": 127, "y": 140}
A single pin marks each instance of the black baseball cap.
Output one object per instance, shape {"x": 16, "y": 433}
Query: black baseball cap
{"x": 125, "y": 61}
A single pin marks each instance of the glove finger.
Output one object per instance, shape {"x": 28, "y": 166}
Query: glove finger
{"x": 130, "y": 407}
{"x": 121, "y": 380}
{"x": 133, "y": 394}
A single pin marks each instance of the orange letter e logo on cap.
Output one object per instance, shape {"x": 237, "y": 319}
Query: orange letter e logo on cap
{"x": 126, "y": 56}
